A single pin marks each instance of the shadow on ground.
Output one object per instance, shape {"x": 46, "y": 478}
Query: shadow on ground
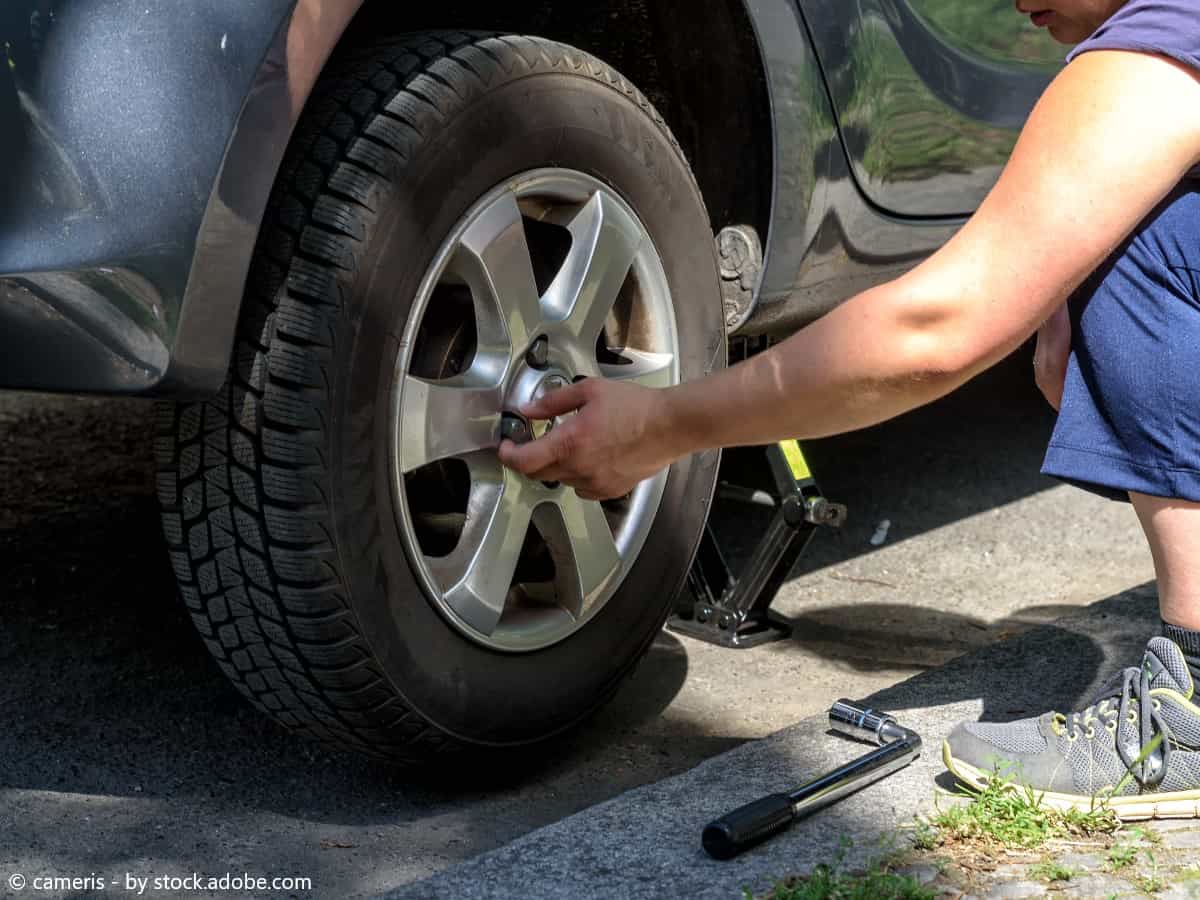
{"x": 877, "y": 636}
{"x": 108, "y": 689}
{"x": 1058, "y": 666}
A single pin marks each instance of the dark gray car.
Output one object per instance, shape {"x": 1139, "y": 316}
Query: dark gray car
{"x": 345, "y": 240}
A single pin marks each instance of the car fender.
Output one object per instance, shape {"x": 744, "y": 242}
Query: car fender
{"x": 225, "y": 242}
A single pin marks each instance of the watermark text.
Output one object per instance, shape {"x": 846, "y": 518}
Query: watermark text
{"x": 137, "y": 885}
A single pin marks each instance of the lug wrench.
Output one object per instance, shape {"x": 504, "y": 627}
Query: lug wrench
{"x": 755, "y": 822}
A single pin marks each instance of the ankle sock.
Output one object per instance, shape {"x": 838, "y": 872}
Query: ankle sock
{"x": 1189, "y": 643}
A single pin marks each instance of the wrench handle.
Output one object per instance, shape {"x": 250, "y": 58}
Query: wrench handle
{"x": 747, "y": 826}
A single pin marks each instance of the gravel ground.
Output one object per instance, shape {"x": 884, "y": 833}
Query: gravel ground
{"x": 123, "y": 749}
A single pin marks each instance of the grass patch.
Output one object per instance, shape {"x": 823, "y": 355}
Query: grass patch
{"x": 1121, "y": 856}
{"x": 826, "y": 883}
{"x": 832, "y": 882}
{"x": 1004, "y": 813}
{"x": 925, "y": 837}
{"x": 999, "y": 820}
{"x": 1051, "y": 871}
{"x": 1149, "y": 835}
{"x": 1152, "y": 882}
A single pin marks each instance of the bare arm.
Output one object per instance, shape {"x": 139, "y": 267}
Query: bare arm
{"x": 1111, "y": 137}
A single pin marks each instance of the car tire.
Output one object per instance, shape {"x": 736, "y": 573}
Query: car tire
{"x": 283, "y": 502}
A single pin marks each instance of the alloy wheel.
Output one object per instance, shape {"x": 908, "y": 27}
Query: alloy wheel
{"x": 549, "y": 278}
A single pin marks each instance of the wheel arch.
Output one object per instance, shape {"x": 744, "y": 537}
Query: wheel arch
{"x": 708, "y": 81}
{"x": 238, "y": 199}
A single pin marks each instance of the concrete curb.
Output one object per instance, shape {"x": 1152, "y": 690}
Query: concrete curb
{"x": 646, "y": 843}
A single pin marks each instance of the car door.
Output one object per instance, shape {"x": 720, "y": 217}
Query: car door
{"x": 930, "y": 95}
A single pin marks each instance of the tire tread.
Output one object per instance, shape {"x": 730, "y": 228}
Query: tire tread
{"x": 243, "y": 479}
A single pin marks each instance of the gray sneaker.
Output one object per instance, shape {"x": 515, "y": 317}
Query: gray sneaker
{"x": 1138, "y": 745}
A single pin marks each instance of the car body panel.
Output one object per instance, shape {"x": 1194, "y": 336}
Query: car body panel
{"x": 140, "y": 146}
{"x": 826, "y": 241}
{"x": 840, "y": 225}
{"x": 930, "y": 95}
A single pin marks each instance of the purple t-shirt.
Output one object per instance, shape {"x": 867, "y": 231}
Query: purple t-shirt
{"x": 1167, "y": 27}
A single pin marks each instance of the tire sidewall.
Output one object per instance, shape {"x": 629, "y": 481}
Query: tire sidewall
{"x": 537, "y": 121}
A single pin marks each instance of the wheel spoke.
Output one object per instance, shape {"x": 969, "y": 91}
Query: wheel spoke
{"x": 477, "y": 575}
{"x": 584, "y": 550}
{"x": 443, "y": 419}
{"x": 605, "y": 241}
{"x": 656, "y": 370}
{"x": 493, "y": 259}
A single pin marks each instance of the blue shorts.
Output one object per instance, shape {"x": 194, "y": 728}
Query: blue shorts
{"x": 1130, "y": 418}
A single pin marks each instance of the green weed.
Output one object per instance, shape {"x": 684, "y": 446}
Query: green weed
{"x": 1016, "y": 817}
{"x": 832, "y": 882}
{"x": 1149, "y": 835}
{"x": 826, "y": 883}
{"x": 1051, "y": 871}
{"x": 1153, "y": 882}
{"x": 925, "y": 837}
{"x": 1121, "y": 856}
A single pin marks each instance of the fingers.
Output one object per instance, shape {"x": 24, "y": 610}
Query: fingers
{"x": 537, "y": 459}
{"x": 557, "y": 403}
{"x": 531, "y": 461}
{"x": 555, "y": 457}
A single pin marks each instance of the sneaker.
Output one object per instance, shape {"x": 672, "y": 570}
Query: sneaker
{"x": 1137, "y": 746}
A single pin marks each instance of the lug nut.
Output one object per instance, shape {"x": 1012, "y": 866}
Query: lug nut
{"x": 538, "y": 354}
{"x": 515, "y": 429}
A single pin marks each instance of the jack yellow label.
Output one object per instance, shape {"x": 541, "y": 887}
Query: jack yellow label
{"x": 795, "y": 460}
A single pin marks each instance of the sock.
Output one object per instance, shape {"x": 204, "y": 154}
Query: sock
{"x": 1189, "y": 643}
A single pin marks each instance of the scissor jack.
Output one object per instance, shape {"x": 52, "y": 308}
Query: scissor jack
{"x": 734, "y": 610}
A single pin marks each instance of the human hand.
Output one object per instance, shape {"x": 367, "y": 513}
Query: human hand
{"x": 1051, "y": 355}
{"x": 615, "y": 439}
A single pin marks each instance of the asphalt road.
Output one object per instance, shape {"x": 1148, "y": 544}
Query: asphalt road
{"x": 122, "y": 750}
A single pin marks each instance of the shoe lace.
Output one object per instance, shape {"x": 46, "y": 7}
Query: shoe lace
{"x": 1130, "y": 687}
